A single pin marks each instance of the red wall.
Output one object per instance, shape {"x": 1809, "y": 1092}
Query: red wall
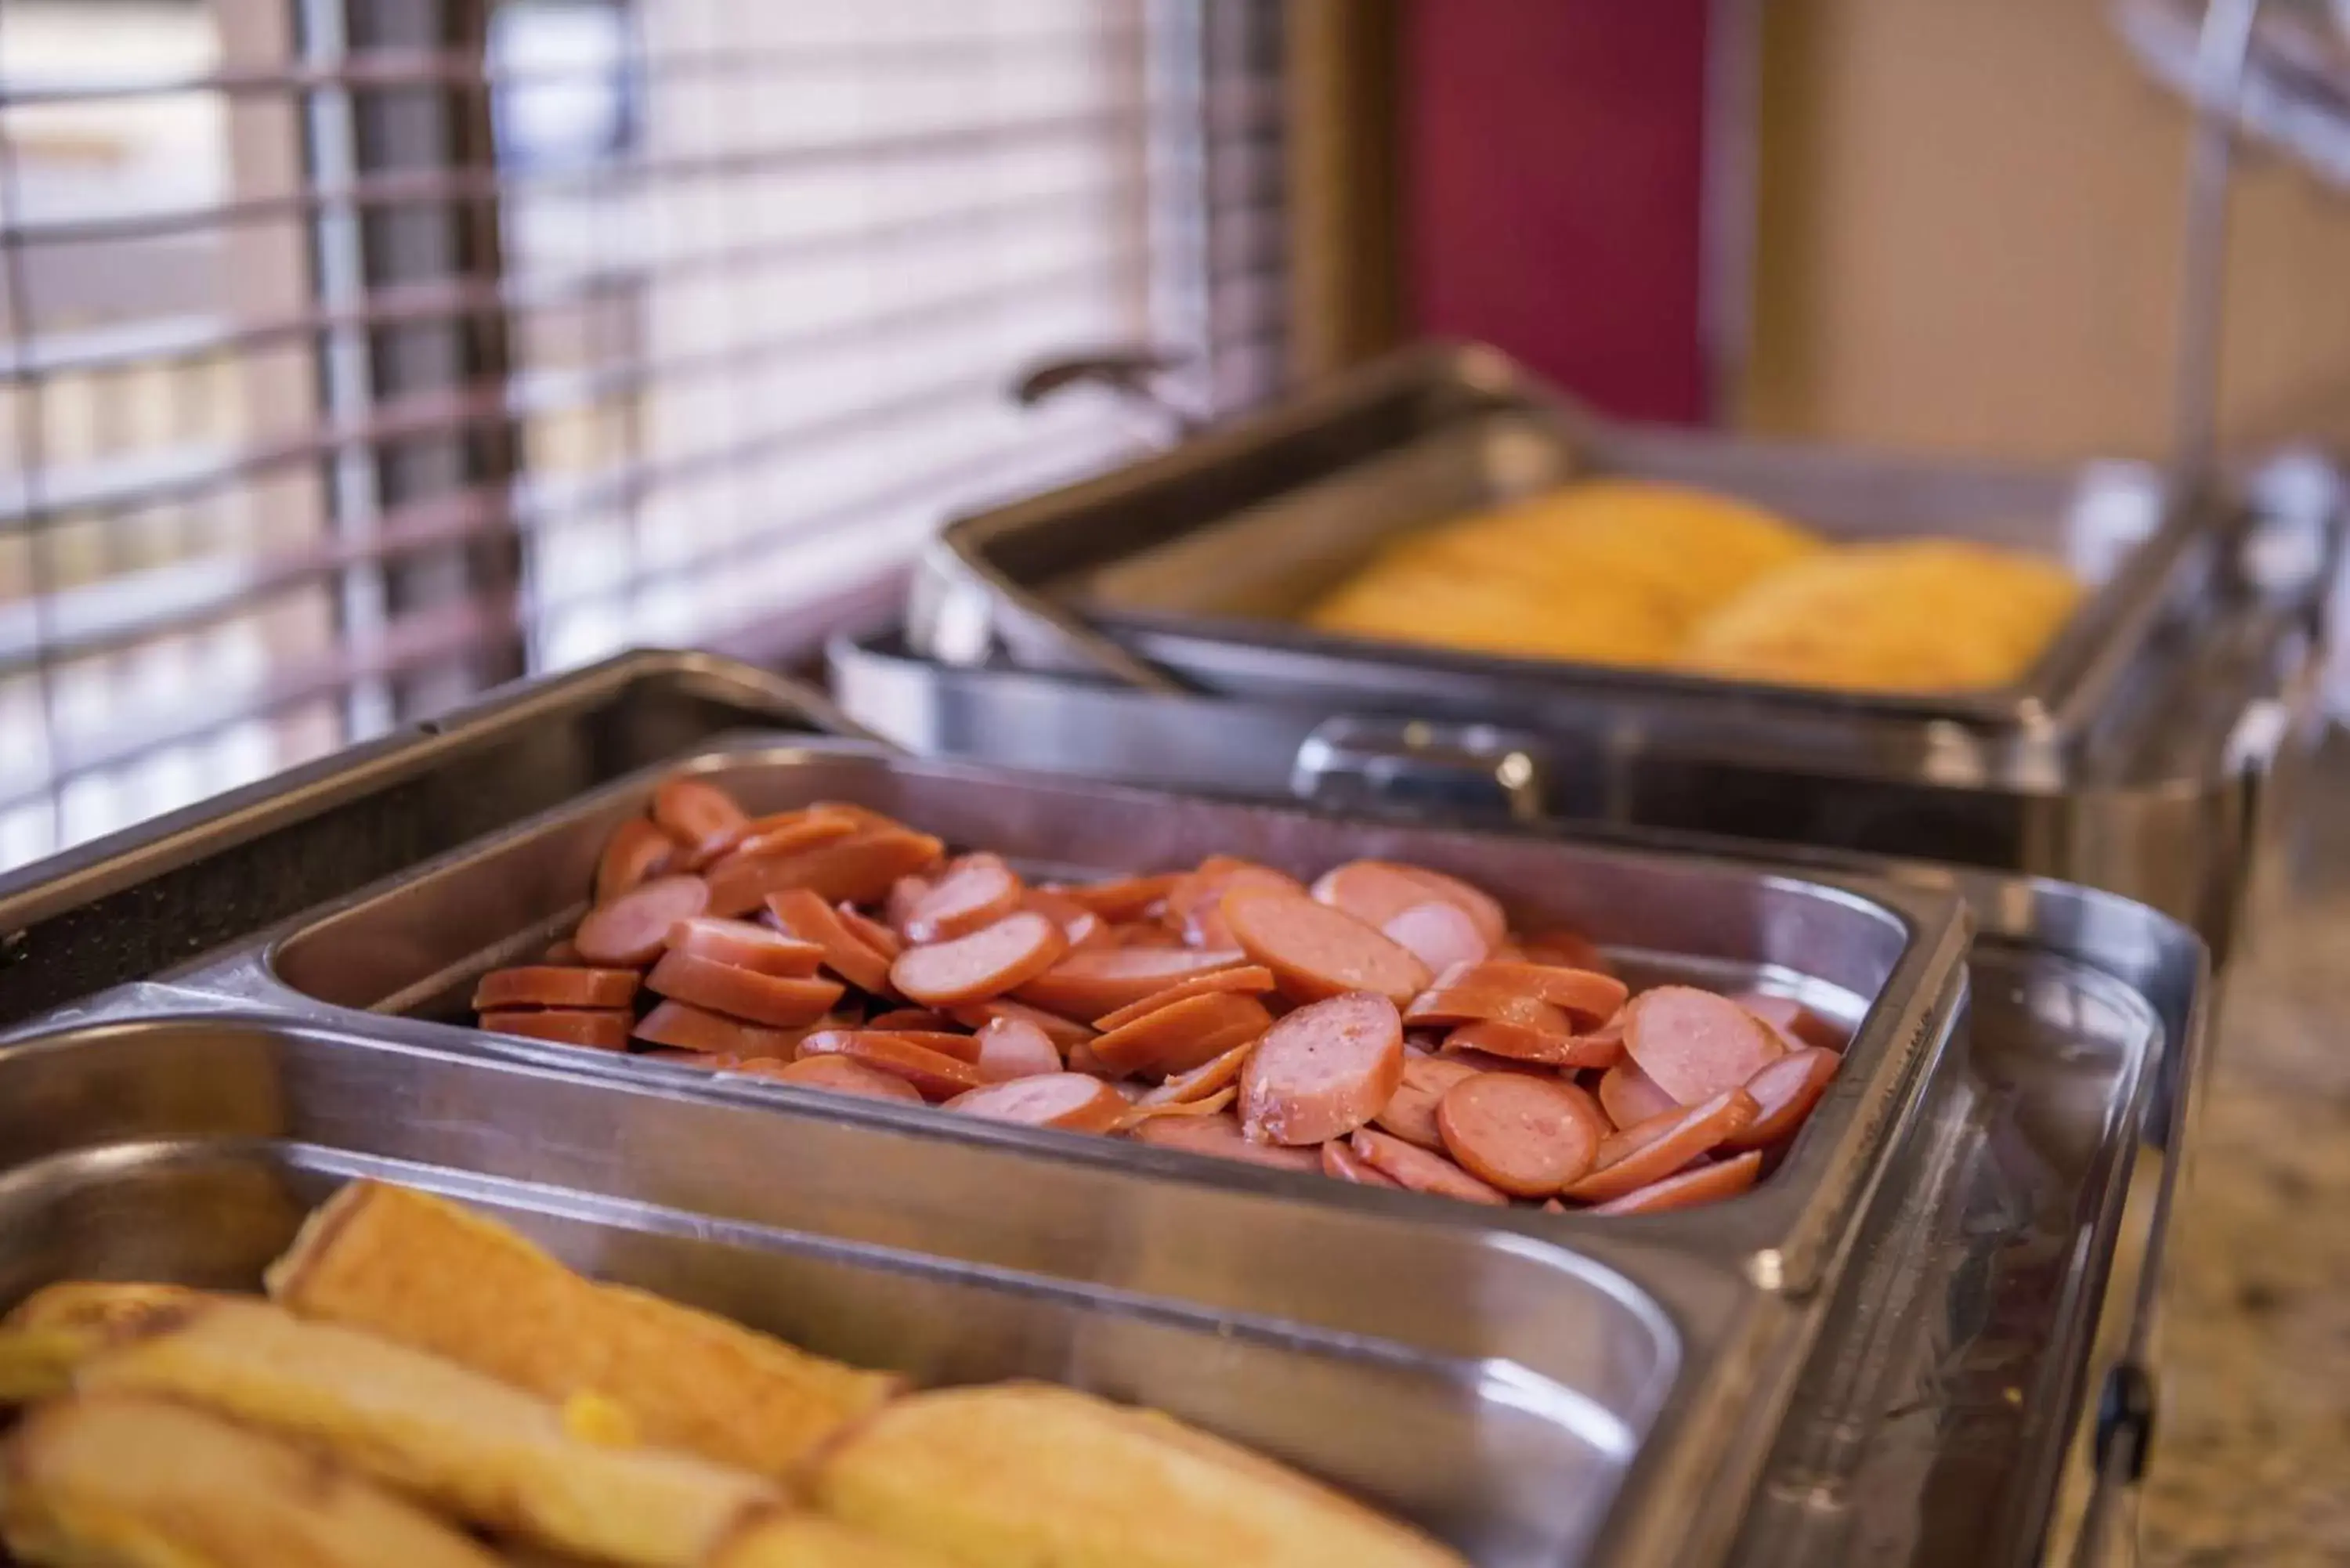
{"x": 1553, "y": 154}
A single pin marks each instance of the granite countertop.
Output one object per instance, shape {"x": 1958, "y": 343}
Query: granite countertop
{"x": 2252, "y": 1456}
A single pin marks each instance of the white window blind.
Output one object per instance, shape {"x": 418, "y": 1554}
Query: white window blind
{"x": 354, "y": 354}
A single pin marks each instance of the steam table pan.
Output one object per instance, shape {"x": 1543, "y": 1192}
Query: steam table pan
{"x": 1882, "y": 958}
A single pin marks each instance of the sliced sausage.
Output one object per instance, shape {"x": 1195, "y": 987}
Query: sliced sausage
{"x": 858, "y": 869}
{"x": 1140, "y": 1111}
{"x": 1525, "y": 1136}
{"x": 1450, "y": 1004}
{"x": 935, "y": 1074}
{"x": 1438, "y": 934}
{"x": 1376, "y": 891}
{"x": 1209, "y": 1078}
{"x": 1247, "y": 977}
{"x": 745, "y": 946}
{"x": 1630, "y": 1097}
{"x": 804, "y": 917}
{"x": 1182, "y": 1035}
{"x": 1080, "y": 925}
{"x": 1485, "y": 1063}
{"x": 1194, "y": 905}
{"x": 1125, "y": 898}
{"x": 1700, "y": 1184}
{"x": 1063, "y": 1032}
{"x": 685, "y": 1027}
{"x": 708, "y": 1061}
{"x": 1323, "y": 1071}
{"x": 793, "y": 831}
{"x": 839, "y": 1074}
{"x": 990, "y": 960}
{"x": 553, "y": 985}
{"x": 1103, "y": 980}
{"x": 1221, "y": 1135}
{"x": 1411, "y": 1113}
{"x": 1587, "y": 997}
{"x": 977, "y": 890}
{"x": 1651, "y": 1150}
{"x": 906, "y": 895}
{"x": 598, "y": 1029}
{"x": 1409, "y": 1166}
{"x": 633, "y": 929}
{"x": 1521, "y": 1044}
{"x": 1786, "y": 1091}
{"x": 897, "y": 1018}
{"x": 1069, "y": 1101}
{"x": 1563, "y": 949}
{"x": 1339, "y": 1160}
{"x": 945, "y": 1041}
{"x": 636, "y": 850}
{"x": 876, "y": 934}
{"x": 1015, "y": 1048}
{"x": 1795, "y": 1025}
{"x": 1695, "y": 1044}
{"x": 1317, "y": 953}
{"x": 699, "y": 815}
{"x": 745, "y": 993}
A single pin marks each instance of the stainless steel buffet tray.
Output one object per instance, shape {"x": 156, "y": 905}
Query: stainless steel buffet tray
{"x": 1184, "y": 571}
{"x": 127, "y": 905}
{"x": 1886, "y": 957}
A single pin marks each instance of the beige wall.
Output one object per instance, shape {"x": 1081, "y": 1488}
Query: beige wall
{"x": 1970, "y": 241}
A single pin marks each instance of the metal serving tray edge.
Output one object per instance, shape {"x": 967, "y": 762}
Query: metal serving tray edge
{"x": 1012, "y": 568}
{"x": 416, "y": 941}
{"x": 1498, "y": 1390}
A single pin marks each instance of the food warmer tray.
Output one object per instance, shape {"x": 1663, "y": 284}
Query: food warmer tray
{"x": 2189, "y": 675}
{"x": 1938, "y": 1383}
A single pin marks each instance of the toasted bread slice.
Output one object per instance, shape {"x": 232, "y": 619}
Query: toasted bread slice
{"x": 55, "y": 1330}
{"x": 426, "y": 1273}
{"x": 1018, "y": 1474}
{"x": 128, "y": 1481}
{"x": 811, "y": 1541}
{"x": 489, "y": 1454}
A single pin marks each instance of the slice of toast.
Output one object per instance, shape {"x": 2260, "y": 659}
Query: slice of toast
{"x": 129, "y": 1482}
{"x": 477, "y": 1448}
{"x": 426, "y": 1273}
{"x": 812, "y": 1541}
{"x": 1016, "y": 1474}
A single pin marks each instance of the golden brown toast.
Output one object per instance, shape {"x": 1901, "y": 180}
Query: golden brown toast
{"x": 128, "y": 1481}
{"x": 1019, "y": 1474}
{"x": 429, "y": 1273}
{"x": 58, "y": 1328}
{"x": 485, "y": 1452}
{"x": 811, "y": 1541}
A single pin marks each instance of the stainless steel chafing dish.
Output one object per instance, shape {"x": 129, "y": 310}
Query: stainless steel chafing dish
{"x": 1092, "y": 630}
{"x": 1898, "y": 1351}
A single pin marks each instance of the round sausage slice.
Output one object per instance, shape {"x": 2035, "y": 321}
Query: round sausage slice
{"x": 1317, "y": 953}
{"x": 1247, "y": 977}
{"x": 1062, "y": 1031}
{"x": 1525, "y": 1136}
{"x": 988, "y": 962}
{"x": 1069, "y": 1101}
{"x": 1195, "y": 904}
{"x": 1448, "y": 1005}
{"x": 1376, "y": 891}
{"x": 1421, "y": 1171}
{"x": 767, "y": 999}
{"x": 1210, "y": 1079}
{"x": 745, "y": 946}
{"x": 1138, "y": 1112}
{"x": 1521, "y": 1044}
{"x": 1340, "y": 1161}
{"x": 1103, "y": 980}
{"x": 1656, "y": 1148}
{"x": 1410, "y": 1113}
{"x": 1323, "y": 1071}
{"x": 685, "y": 1027}
{"x": 938, "y": 1076}
{"x": 1795, "y": 1025}
{"x": 554, "y": 985}
{"x": 699, "y": 815}
{"x": 636, "y": 850}
{"x": 977, "y": 890}
{"x": 596, "y": 1029}
{"x": 1630, "y": 1097}
{"x": 1587, "y": 997}
{"x": 1221, "y": 1135}
{"x": 1125, "y": 898}
{"x": 803, "y": 917}
{"x": 1081, "y": 926}
{"x": 1701, "y": 1184}
{"x": 1182, "y": 1035}
{"x": 1012, "y": 1048}
{"x": 1439, "y": 934}
{"x": 633, "y": 929}
{"x": 837, "y": 1073}
{"x": 881, "y": 938}
{"x": 859, "y": 868}
{"x": 1696, "y": 1045}
{"x": 795, "y": 830}
{"x": 1787, "y": 1090}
